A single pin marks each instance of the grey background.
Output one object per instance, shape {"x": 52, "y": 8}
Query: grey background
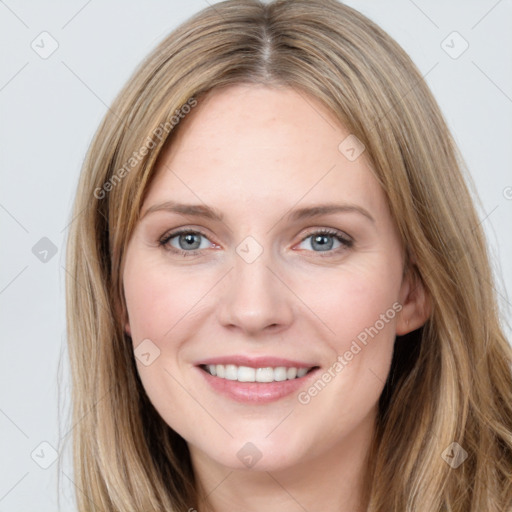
{"x": 50, "y": 108}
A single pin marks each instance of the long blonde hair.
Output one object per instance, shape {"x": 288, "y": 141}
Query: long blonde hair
{"x": 450, "y": 381}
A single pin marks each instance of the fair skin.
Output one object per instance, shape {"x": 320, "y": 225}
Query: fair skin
{"x": 256, "y": 154}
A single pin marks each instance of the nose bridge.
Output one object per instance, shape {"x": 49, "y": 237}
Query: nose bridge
{"x": 253, "y": 298}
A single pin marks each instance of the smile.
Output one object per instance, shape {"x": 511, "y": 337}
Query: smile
{"x": 256, "y": 384}
{"x": 248, "y": 374}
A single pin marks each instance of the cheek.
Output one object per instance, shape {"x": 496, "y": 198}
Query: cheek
{"x": 356, "y": 299}
{"x": 363, "y": 307}
{"x": 360, "y": 308}
{"x": 157, "y": 300}
{"x": 160, "y": 305}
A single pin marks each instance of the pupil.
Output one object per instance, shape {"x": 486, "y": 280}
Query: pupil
{"x": 323, "y": 242}
{"x": 189, "y": 242}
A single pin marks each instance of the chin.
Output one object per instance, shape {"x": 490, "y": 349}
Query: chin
{"x": 255, "y": 454}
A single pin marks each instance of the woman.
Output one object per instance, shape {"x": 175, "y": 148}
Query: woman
{"x": 280, "y": 289}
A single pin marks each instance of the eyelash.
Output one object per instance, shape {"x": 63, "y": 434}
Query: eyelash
{"x": 168, "y": 236}
{"x": 345, "y": 241}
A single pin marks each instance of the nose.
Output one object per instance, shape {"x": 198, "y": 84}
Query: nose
{"x": 254, "y": 299}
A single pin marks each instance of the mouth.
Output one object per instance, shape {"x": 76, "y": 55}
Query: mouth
{"x": 265, "y": 374}
{"x": 255, "y": 381}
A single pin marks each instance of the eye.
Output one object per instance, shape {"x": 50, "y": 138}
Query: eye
{"x": 326, "y": 240}
{"x": 185, "y": 242}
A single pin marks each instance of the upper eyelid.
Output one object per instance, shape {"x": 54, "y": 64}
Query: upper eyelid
{"x": 328, "y": 231}
{"x": 312, "y": 231}
{"x": 171, "y": 233}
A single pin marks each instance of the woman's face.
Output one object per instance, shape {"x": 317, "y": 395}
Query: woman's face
{"x": 265, "y": 242}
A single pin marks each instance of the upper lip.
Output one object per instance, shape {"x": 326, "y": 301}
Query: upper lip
{"x": 256, "y": 362}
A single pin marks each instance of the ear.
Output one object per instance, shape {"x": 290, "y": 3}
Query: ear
{"x": 125, "y": 321}
{"x": 416, "y": 304}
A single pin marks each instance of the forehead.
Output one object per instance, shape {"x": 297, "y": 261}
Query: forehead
{"x": 251, "y": 142}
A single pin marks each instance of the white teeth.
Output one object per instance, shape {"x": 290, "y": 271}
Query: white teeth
{"x": 264, "y": 374}
{"x": 291, "y": 373}
{"x": 301, "y": 372}
{"x": 280, "y": 373}
{"x": 248, "y": 374}
{"x": 231, "y": 372}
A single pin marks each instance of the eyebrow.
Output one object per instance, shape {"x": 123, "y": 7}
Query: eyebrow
{"x": 326, "y": 209}
{"x": 207, "y": 212}
{"x": 192, "y": 210}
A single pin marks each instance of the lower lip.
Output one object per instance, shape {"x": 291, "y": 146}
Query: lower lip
{"x": 256, "y": 392}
